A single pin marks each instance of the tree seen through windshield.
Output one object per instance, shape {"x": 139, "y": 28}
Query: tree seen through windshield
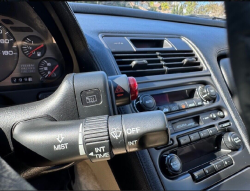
{"x": 205, "y": 9}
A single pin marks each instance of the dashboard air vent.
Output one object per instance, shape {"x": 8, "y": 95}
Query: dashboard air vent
{"x": 155, "y": 63}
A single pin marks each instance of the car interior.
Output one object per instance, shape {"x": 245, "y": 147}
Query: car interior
{"x": 103, "y": 97}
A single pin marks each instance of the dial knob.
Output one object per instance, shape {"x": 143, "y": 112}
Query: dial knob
{"x": 145, "y": 103}
{"x": 232, "y": 141}
{"x": 207, "y": 93}
{"x": 173, "y": 164}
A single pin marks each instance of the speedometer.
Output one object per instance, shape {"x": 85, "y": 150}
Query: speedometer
{"x": 8, "y": 53}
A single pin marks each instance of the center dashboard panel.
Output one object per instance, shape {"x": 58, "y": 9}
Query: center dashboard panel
{"x": 206, "y": 144}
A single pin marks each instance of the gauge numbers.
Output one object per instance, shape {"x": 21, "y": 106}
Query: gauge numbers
{"x": 49, "y": 68}
{"x": 8, "y": 53}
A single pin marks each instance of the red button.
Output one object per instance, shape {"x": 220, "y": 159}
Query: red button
{"x": 133, "y": 88}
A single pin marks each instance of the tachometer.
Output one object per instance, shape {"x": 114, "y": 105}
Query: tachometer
{"x": 33, "y": 47}
{"x": 8, "y": 53}
{"x": 49, "y": 68}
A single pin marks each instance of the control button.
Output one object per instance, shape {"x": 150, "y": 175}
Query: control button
{"x": 225, "y": 124}
{"x": 220, "y": 114}
{"x": 211, "y": 90}
{"x": 212, "y": 131}
{"x": 20, "y": 80}
{"x": 221, "y": 129}
{"x": 173, "y": 164}
{"x": 207, "y": 92}
{"x": 198, "y": 101}
{"x": 209, "y": 170}
{"x": 14, "y": 80}
{"x": 213, "y": 116}
{"x": 174, "y": 107}
{"x": 164, "y": 108}
{"x": 184, "y": 140}
{"x": 205, "y": 118}
{"x": 227, "y": 161}
{"x": 194, "y": 136}
{"x": 204, "y": 134}
{"x": 182, "y": 105}
{"x": 148, "y": 102}
{"x": 91, "y": 97}
{"x": 25, "y": 79}
{"x": 198, "y": 175}
{"x": 218, "y": 164}
{"x": 145, "y": 103}
{"x": 232, "y": 141}
{"x": 190, "y": 103}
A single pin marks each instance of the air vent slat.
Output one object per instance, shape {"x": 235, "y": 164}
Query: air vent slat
{"x": 134, "y": 55}
{"x": 138, "y": 73}
{"x": 164, "y": 62}
{"x": 176, "y": 54}
{"x": 184, "y": 69}
{"x": 153, "y": 55}
{"x": 160, "y": 65}
{"x": 175, "y": 59}
{"x": 131, "y": 60}
{"x": 180, "y": 64}
{"x": 150, "y": 60}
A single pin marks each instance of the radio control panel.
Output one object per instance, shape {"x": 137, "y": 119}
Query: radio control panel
{"x": 173, "y": 101}
{"x": 204, "y": 136}
{"x": 190, "y": 122}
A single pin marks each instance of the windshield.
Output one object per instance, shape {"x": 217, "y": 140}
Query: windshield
{"x": 205, "y": 9}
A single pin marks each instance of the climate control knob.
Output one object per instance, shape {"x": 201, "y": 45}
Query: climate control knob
{"x": 173, "y": 164}
{"x": 145, "y": 103}
{"x": 207, "y": 93}
{"x": 232, "y": 141}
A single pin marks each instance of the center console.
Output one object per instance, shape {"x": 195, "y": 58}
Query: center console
{"x": 207, "y": 143}
{"x": 205, "y": 146}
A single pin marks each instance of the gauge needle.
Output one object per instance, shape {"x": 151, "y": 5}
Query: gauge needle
{"x": 53, "y": 70}
{"x": 30, "y": 54}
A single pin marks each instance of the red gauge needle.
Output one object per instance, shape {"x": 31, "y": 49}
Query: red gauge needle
{"x": 53, "y": 70}
{"x": 30, "y": 54}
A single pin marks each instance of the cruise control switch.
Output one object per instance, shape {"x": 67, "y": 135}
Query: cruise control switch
{"x": 42, "y": 142}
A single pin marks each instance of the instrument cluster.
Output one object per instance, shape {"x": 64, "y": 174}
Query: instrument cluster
{"x": 27, "y": 56}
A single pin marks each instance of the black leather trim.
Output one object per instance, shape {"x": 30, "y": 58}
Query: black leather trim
{"x": 239, "y": 45}
{"x": 10, "y": 180}
{"x": 121, "y": 11}
{"x": 149, "y": 170}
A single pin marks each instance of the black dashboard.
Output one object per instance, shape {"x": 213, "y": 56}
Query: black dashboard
{"x": 176, "y": 65}
{"x": 154, "y": 51}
